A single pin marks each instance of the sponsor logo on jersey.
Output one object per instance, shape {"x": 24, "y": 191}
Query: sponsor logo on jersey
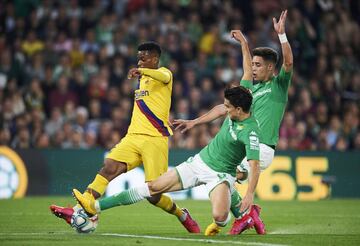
{"x": 261, "y": 93}
{"x": 141, "y": 93}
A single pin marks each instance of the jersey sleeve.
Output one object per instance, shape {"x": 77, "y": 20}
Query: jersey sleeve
{"x": 284, "y": 78}
{"x": 247, "y": 84}
{"x": 251, "y": 141}
{"x": 162, "y": 74}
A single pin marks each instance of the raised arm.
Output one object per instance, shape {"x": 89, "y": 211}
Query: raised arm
{"x": 239, "y": 36}
{"x": 214, "y": 113}
{"x": 279, "y": 27}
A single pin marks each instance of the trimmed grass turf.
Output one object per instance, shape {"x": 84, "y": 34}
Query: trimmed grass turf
{"x": 28, "y": 221}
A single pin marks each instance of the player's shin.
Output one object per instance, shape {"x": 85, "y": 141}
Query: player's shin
{"x": 167, "y": 204}
{"x": 127, "y": 197}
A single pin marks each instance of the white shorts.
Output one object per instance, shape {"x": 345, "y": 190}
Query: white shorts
{"x": 266, "y": 158}
{"x": 195, "y": 172}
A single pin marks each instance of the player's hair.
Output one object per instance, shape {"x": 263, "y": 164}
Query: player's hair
{"x": 239, "y": 96}
{"x": 151, "y": 47}
{"x": 267, "y": 54}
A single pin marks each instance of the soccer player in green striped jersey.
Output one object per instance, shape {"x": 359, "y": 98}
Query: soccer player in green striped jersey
{"x": 270, "y": 95}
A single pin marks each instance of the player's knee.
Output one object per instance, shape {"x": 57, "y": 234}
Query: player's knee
{"x": 154, "y": 188}
{"x": 154, "y": 199}
{"x": 112, "y": 169}
{"x": 221, "y": 218}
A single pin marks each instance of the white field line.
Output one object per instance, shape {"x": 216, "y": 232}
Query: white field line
{"x": 147, "y": 237}
{"x": 191, "y": 239}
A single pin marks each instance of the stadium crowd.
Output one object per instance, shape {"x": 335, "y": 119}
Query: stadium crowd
{"x": 63, "y": 67}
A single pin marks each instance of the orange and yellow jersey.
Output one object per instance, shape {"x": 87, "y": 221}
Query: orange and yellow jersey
{"x": 152, "y": 103}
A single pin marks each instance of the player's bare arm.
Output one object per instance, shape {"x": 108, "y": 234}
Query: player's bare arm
{"x": 279, "y": 27}
{"x": 253, "y": 180}
{"x": 185, "y": 125}
{"x": 239, "y": 36}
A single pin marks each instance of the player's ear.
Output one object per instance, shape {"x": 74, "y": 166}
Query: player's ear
{"x": 239, "y": 109}
{"x": 155, "y": 59}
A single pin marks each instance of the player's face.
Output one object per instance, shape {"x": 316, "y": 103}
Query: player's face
{"x": 146, "y": 59}
{"x": 262, "y": 70}
{"x": 231, "y": 110}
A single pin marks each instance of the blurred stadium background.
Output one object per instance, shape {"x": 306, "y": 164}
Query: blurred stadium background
{"x": 65, "y": 99}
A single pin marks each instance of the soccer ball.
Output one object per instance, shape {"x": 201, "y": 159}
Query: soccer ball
{"x": 82, "y": 223}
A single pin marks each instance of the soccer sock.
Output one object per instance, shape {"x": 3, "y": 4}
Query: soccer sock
{"x": 235, "y": 204}
{"x": 127, "y": 197}
{"x": 167, "y": 204}
{"x": 98, "y": 185}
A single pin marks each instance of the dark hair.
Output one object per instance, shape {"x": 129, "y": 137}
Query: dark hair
{"x": 239, "y": 96}
{"x": 150, "y": 46}
{"x": 267, "y": 54}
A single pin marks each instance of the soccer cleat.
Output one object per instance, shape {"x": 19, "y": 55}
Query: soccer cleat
{"x": 61, "y": 212}
{"x": 86, "y": 202}
{"x": 189, "y": 223}
{"x": 212, "y": 229}
{"x": 258, "y": 223}
{"x": 242, "y": 224}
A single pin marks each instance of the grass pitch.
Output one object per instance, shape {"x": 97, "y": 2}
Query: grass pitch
{"x": 28, "y": 221}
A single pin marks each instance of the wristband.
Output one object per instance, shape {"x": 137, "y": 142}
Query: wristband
{"x": 283, "y": 38}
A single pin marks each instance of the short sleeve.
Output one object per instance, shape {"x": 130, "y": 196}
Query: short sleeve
{"x": 251, "y": 141}
{"x": 284, "y": 78}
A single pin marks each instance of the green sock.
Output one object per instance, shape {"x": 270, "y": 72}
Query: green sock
{"x": 127, "y": 197}
{"x": 235, "y": 204}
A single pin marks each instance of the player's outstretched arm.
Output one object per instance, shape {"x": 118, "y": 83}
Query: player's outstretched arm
{"x": 214, "y": 113}
{"x": 253, "y": 180}
{"x": 239, "y": 36}
{"x": 279, "y": 27}
{"x": 157, "y": 74}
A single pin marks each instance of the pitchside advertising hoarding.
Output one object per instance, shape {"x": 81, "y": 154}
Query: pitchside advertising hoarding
{"x": 292, "y": 175}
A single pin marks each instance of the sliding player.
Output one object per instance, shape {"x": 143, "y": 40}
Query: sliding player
{"x": 270, "y": 95}
{"x": 214, "y": 166}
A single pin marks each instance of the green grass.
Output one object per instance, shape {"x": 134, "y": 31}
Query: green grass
{"x": 332, "y": 222}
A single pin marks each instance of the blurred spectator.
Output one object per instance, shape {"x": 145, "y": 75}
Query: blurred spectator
{"x": 32, "y": 44}
{"x": 55, "y": 122}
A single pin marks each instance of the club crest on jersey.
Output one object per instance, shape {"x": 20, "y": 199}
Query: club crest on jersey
{"x": 141, "y": 93}
{"x": 239, "y": 127}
